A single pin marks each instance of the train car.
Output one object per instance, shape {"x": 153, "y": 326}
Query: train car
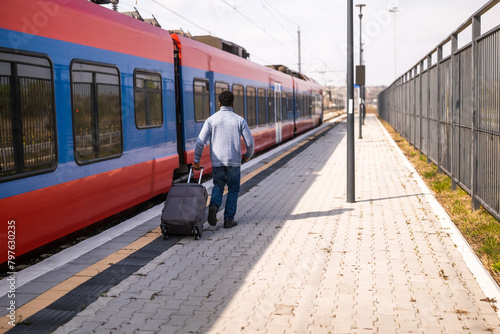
{"x": 206, "y": 71}
{"x": 87, "y": 118}
{"x": 276, "y": 103}
{"x": 100, "y": 112}
{"x": 281, "y": 105}
{"x": 308, "y": 99}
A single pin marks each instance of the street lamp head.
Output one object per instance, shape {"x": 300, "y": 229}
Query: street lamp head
{"x": 361, "y": 5}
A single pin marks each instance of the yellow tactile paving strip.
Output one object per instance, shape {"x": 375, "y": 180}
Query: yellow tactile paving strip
{"x": 53, "y": 294}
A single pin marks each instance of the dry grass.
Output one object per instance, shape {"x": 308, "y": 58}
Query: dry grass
{"x": 371, "y": 109}
{"x": 479, "y": 227}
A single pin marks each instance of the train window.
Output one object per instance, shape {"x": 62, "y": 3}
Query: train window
{"x": 262, "y": 106}
{"x": 284, "y": 106}
{"x": 298, "y": 104}
{"x": 304, "y": 110}
{"x": 278, "y": 106}
{"x": 97, "y": 117}
{"x": 270, "y": 106}
{"x": 219, "y": 88}
{"x": 147, "y": 100}
{"x": 28, "y": 141}
{"x": 304, "y": 103}
{"x": 310, "y": 101}
{"x": 319, "y": 104}
{"x": 201, "y": 100}
{"x": 251, "y": 107}
{"x": 303, "y": 106}
{"x": 290, "y": 106}
{"x": 239, "y": 100}
{"x": 311, "y": 104}
{"x": 307, "y": 102}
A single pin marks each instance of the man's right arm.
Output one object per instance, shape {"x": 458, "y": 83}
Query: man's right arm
{"x": 200, "y": 142}
{"x": 249, "y": 142}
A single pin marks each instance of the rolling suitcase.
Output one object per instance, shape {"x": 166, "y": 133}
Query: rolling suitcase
{"x": 184, "y": 210}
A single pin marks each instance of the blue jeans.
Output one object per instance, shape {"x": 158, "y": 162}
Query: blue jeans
{"x": 229, "y": 176}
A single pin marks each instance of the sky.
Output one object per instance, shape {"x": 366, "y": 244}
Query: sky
{"x": 268, "y": 30}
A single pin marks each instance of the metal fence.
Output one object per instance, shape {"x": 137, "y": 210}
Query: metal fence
{"x": 450, "y": 110}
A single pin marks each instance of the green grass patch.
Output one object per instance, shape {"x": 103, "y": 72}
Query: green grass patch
{"x": 441, "y": 185}
{"x": 429, "y": 174}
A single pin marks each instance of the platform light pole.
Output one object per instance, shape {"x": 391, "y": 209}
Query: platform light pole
{"x": 394, "y": 10}
{"x": 361, "y": 85}
{"x": 350, "y": 105}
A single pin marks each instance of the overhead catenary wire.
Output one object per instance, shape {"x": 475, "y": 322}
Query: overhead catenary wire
{"x": 277, "y": 20}
{"x": 277, "y": 11}
{"x": 255, "y": 24}
{"x": 156, "y": 15}
{"x": 309, "y": 49}
{"x": 196, "y": 25}
{"x": 269, "y": 8}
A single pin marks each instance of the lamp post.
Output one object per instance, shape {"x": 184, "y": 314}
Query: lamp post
{"x": 350, "y": 105}
{"x": 361, "y": 86}
{"x": 394, "y": 10}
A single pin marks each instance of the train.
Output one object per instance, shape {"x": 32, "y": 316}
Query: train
{"x": 99, "y": 112}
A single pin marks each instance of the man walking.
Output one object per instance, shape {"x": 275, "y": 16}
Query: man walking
{"x": 224, "y": 130}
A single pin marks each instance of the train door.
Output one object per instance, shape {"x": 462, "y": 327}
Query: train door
{"x": 178, "y": 103}
{"x": 277, "y": 111}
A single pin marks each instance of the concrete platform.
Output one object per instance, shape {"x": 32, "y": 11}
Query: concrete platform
{"x": 302, "y": 260}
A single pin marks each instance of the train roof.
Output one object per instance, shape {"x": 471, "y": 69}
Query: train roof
{"x": 199, "y": 55}
{"x": 85, "y": 23}
{"x": 205, "y": 57}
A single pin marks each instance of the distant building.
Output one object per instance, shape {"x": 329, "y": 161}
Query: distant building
{"x": 334, "y": 97}
{"x": 372, "y": 93}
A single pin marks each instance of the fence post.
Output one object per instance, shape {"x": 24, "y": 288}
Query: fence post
{"x": 439, "y": 107}
{"x": 415, "y": 70}
{"x": 454, "y": 95}
{"x": 429, "y": 62}
{"x": 420, "y": 138}
{"x": 476, "y": 32}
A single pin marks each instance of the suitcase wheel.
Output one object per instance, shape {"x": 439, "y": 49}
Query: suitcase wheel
{"x": 196, "y": 233}
{"x": 164, "y": 231}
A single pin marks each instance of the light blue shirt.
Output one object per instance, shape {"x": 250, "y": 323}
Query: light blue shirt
{"x": 223, "y": 130}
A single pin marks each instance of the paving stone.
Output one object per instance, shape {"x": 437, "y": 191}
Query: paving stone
{"x": 302, "y": 260}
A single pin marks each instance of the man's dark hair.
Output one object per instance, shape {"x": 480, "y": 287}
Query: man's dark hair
{"x": 226, "y": 98}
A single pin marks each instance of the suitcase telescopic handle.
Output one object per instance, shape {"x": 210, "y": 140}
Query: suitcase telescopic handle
{"x": 191, "y": 172}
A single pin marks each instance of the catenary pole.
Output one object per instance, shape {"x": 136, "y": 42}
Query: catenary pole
{"x": 300, "y": 61}
{"x": 350, "y": 105}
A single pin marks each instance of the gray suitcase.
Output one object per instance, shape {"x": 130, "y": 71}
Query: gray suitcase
{"x": 184, "y": 210}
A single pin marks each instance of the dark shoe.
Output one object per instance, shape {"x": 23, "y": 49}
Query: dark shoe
{"x": 229, "y": 223}
{"x": 212, "y": 215}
